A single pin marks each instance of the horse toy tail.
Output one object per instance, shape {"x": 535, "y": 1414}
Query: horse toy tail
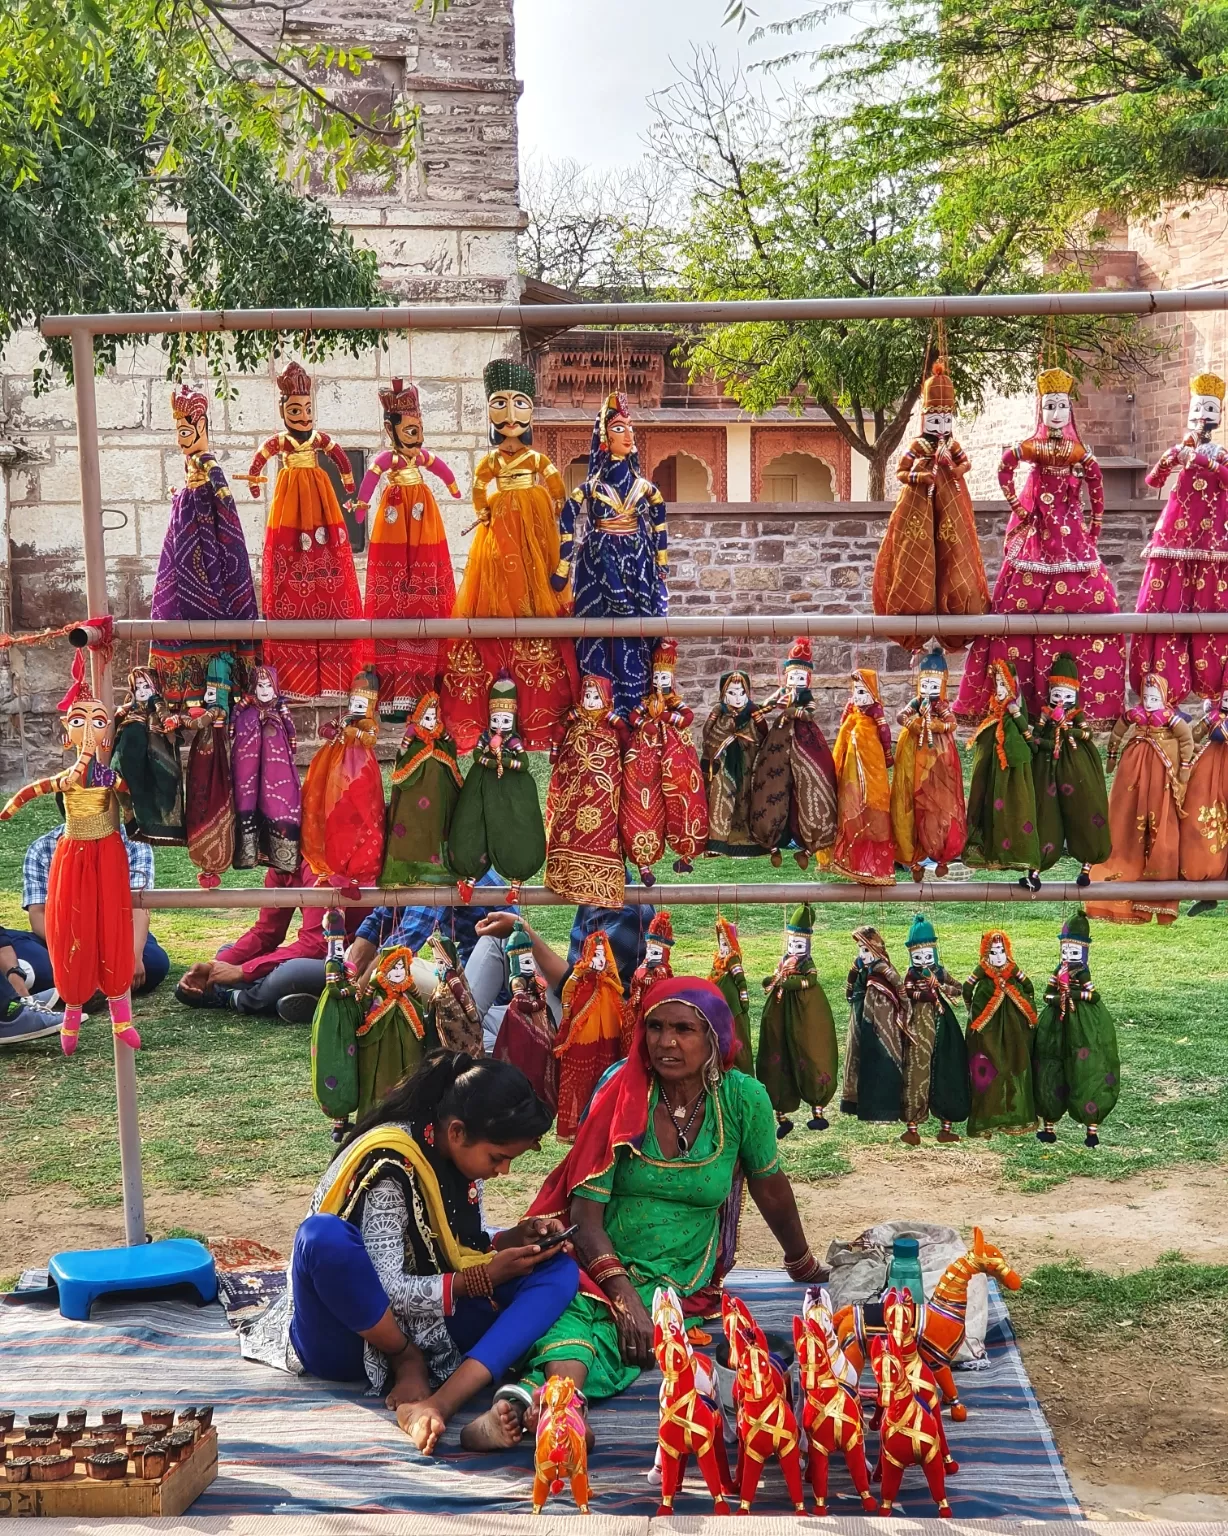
{"x": 560, "y": 1449}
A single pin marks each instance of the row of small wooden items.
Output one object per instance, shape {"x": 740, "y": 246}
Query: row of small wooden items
{"x": 47, "y": 1452}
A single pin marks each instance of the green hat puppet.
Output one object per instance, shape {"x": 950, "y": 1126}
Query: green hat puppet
{"x": 1076, "y": 1063}
{"x": 797, "y": 1057}
{"x": 922, "y": 935}
{"x": 801, "y": 920}
{"x": 518, "y": 944}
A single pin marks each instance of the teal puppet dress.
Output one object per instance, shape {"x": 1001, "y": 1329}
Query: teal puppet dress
{"x": 1001, "y": 1019}
{"x": 1076, "y": 1063}
{"x": 935, "y": 1056}
{"x": 798, "y": 1055}
{"x": 1002, "y": 820}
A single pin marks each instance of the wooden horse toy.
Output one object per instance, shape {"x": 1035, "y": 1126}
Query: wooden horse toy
{"x": 831, "y": 1416}
{"x": 691, "y": 1420}
{"x": 817, "y": 1308}
{"x": 561, "y": 1450}
{"x": 910, "y": 1431}
{"x": 767, "y": 1425}
{"x": 900, "y": 1320}
{"x": 940, "y": 1325}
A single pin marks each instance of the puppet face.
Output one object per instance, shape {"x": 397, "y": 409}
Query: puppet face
{"x": 997, "y": 953}
{"x": 620, "y": 435}
{"x": 88, "y": 726}
{"x": 735, "y": 695}
{"x": 406, "y": 433}
{"x": 1223, "y": 700}
{"x": 862, "y": 696}
{"x": 663, "y": 679}
{"x": 527, "y": 964}
{"x": 591, "y": 697}
{"x": 510, "y": 413}
{"x": 929, "y": 685}
{"x": 503, "y": 721}
{"x": 1055, "y": 411}
{"x": 1000, "y": 689}
{"x": 654, "y": 952}
{"x": 1073, "y": 952}
{"x": 797, "y": 677}
{"x": 866, "y": 956}
{"x": 1063, "y": 696}
{"x": 210, "y": 694}
{"x": 297, "y": 413}
{"x": 192, "y": 436}
{"x": 265, "y": 692}
{"x": 430, "y": 718}
{"x": 797, "y": 944}
{"x": 937, "y": 423}
{"x": 1152, "y": 697}
{"x": 1205, "y": 414}
{"x": 924, "y": 954}
{"x": 397, "y": 972}
{"x": 359, "y": 703}
{"x": 722, "y": 946}
{"x": 144, "y": 690}
{"x": 598, "y": 960}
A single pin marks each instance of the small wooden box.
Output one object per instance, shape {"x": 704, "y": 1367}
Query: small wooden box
{"x": 86, "y": 1497}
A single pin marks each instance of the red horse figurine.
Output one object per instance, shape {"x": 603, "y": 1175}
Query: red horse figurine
{"x": 900, "y": 1318}
{"x": 831, "y": 1417}
{"x": 691, "y": 1421}
{"x": 766, "y": 1423}
{"x": 561, "y": 1450}
{"x": 910, "y": 1434}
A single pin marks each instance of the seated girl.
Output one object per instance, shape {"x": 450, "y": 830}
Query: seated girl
{"x": 654, "y": 1183}
{"x": 393, "y": 1277}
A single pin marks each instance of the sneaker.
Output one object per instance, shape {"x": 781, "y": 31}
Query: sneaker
{"x": 29, "y": 1024}
{"x": 297, "y": 1007}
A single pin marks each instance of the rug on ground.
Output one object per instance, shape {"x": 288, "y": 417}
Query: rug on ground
{"x": 291, "y": 1445}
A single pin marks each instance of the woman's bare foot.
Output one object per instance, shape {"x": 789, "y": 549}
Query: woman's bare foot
{"x": 411, "y": 1381}
{"x": 423, "y": 1423}
{"x": 495, "y": 1430}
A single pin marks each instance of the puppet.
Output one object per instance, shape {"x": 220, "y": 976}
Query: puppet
{"x": 392, "y": 1036}
{"x": 343, "y": 797}
{"x": 209, "y": 813}
{"x": 727, "y": 973}
{"x": 1156, "y": 747}
{"x": 927, "y": 792}
{"x": 589, "y": 1039}
{"x": 517, "y": 494}
{"x": 793, "y": 787}
{"x": 797, "y": 1036}
{"x": 146, "y": 757}
{"x": 658, "y": 942}
{"x": 334, "y": 1032}
{"x": 497, "y": 823}
{"x": 1072, "y": 799}
{"x": 1002, "y": 815}
{"x": 620, "y": 569}
{"x": 204, "y": 571}
{"x": 935, "y": 1056}
{"x": 409, "y": 568}
{"x": 268, "y": 796}
{"x": 1185, "y": 570}
{"x": 453, "y": 1011}
{"x": 878, "y": 1033}
{"x": 865, "y": 848}
{"x": 930, "y": 559}
{"x": 308, "y": 567}
{"x": 732, "y": 737}
{"x": 526, "y": 1035}
{"x": 663, "y": 801}
{"x": 1204, "y": 827}
{"x": 1051, "y": 565}
{"x": 1075, "y": 1061}
{"x": 1001, "y": 1017}
{"x": 89, "y": 896}
{"x": 426, "y": 785}
{"x": 584, "y": 859}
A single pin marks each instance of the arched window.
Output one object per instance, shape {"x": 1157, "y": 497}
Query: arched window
{"x": 682, "y": 477}
{"x": 796, "y": 477}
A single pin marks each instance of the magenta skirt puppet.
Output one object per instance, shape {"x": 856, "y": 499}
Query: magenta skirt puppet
{"x": 267, "y": 795}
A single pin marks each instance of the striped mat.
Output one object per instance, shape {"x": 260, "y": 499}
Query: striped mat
{"x": 295, "y": 1445}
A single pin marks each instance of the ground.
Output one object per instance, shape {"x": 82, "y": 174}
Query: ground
{"x": 233, "y": 1144}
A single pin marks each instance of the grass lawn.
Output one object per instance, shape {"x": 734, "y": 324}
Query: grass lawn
{"x": 226, "y": 1100}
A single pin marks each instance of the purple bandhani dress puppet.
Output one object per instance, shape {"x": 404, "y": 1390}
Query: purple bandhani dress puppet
{"x": 1187, "y": 558}
{"x": 1051, "y": 565}
{"x": 204, "y": 572}
{"x": 268, "y": 797}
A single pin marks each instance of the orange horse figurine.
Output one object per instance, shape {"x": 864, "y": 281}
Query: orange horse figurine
{"x": 767, "y": 1425}
{"x": 940, "y": 1327}
{"x": 691, "y": 1420}
{"x": 561, "y": 1450}
{"x": 900, "y": 1319}
{"x": 910, "y": 1434}
{"x": 831, "y": 1416}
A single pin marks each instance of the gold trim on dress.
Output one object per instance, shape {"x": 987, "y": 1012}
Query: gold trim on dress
{"x": 410, "y": 475}
{"x": 300, "y": 458}
{"x": 90, "y": 814}
{"x": 516, "y": 479}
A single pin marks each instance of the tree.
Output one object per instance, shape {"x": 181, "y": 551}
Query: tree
{"x": 804, "y": 205}
{"x": 156, "y": 155}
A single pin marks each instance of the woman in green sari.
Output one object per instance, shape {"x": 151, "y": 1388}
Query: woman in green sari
{"x": 654, "y": 1183}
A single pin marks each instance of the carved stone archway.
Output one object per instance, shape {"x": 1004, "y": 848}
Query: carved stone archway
{"x": 816, "y": 442}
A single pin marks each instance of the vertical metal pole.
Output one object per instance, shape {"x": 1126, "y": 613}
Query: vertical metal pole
{"x": 97, "y": 605}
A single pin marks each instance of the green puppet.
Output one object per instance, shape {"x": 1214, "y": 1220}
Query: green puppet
{"x": 1002, "y": 816}
{"x": 1075, "y": 1062}
{"x": 392, "y": 1036}
{"x": 334, "y": 1032}
{"x": 935, "y": 1056}
{"x": 798, "y": 1055}
{"x": 1072, "y": 800}
{"x": 1001, "y": 1020}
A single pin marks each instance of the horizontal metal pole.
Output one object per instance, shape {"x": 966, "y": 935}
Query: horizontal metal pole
{"x": 768, "y": 894}
{"x": 782, "y": 626}
{"x": 477, "y": 317}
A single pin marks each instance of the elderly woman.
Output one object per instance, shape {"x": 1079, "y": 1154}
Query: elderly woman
{"x": 654, "y": 1184}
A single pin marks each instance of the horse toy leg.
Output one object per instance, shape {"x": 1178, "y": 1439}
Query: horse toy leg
{"x": 818, "y": 1468}
{"x": 716, "y": 1474}
{"x": 932, "y": 1467}
{"x": 541, "y": 1492}
{"x": 580, "y": 1490}
{"x": 950, "y": 1393}
{"x": 855, "y": 1460}
{"x": 893, "y": 1476}
{"x": 673, "y": 1472}
{"x": 791, "y": 1466}
{"x": 752, "y": 1470}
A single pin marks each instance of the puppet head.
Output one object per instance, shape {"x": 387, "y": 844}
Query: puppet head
{"x": 424, "y": 717}
{"x": 334, "y": 933}
{"x": 798, "y": 667}
{"x": 1154, "y": 695}
{"x": 294, "y": 386}
{"x": 799, "y": 929}
{"x": 191, "y": 412}
{"x": 262, "y": 685}
{"x": 727, "y": 943}
{"x": 659, "y": 939}
{"x": 143, "y": 685}
{"x": 863, "y": 688}
{"x": 503, "y": 705}
{"x": 1054, "y": 385}
{"x": 88, "y": 726}
{"x": 938, "y": 403}
{"x": 1206, "y": 404}
{"x": 932, "y": 675}
{"x": 664, "y": 665}
{"x": 735, "y": 691}
{"x": 1063, "y": 681}
{"x": 1076, "y": 939}
{"x": 392, "y": 969}
{"x": 1005, "y": 680}
{"x": 511, "y": 389}
{"x": 597, "y": 955}
{"x": 922, "y": 943}
{"x": 996, "y": 952}
{"x": 518, "y": 947}
{"x": 218, "y": 686}
{"x": 402, "y": 415}
{"x": 617, "y": 435}
{"x": 870, "y": 946}
{"x": 364, "y": 695}
{"x": 596, "y": 694}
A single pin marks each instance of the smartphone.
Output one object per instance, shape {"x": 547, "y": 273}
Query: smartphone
{"x": 555, "y": 1238}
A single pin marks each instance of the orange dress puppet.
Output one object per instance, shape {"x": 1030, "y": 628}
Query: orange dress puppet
{"x": 409, "y": 568}
{"x": 1204, "y": 830}
{"x": 865, "y": 848}
{"x": 928, "y": 816}
{"x": 308, "y": 568}
{"x": 589, "y": 1040}
{"x": 663, "y": 795}
{"x": 658, "y": 942}
{"x": 584, "y": 857}
{"x": 343, "y": 798}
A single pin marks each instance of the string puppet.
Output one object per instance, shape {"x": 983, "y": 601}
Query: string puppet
{"x": 334, "y": 1032}
{"x": 526, "y": 1035}
{"x": 663, "y": 801}
{"x": 732, "y": 736}
{"x": 392, "y": 1036}
{"x": 935, "y": 1057}
{"x": 209, "y": 800}
{"x": 1001, "y": 1005}
{"x": 584, "y": 853}
{"x": 1204, "y": 827}
{"x": 793, "y": 787}
{"x": 263, "y": 766}
{"x": 655, "y": 966}
{"x": 343, "y": 797}
{"x": 928, "y": 819}
{"x": 865, "y": 848}
{"x": 1002, "y": 816}
{"x": 426, "y": 786}
{"x": 879, "y": 1016}
{"x": 589, "y": 1039}
{"x": 797, "y": 1036}
{"x": 146, "y": 757}
{"x": 1076, "y": 1063}
{"x": 452, "y": 1007}
{"x": 1072, "y": 798}
{"x": 728, "y": 974}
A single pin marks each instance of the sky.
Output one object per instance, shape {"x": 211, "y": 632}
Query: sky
{"x": 588, "y": 67}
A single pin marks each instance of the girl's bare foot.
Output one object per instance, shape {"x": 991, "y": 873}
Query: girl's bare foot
{"x": 495, "y": 1430}
{"x": 423, "y": 1423}
{"x": 411, "y": 1381}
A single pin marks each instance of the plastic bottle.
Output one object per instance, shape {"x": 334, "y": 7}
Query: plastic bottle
{"x": 904, "y": 1271}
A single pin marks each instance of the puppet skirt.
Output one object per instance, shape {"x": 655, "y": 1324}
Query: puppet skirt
{"x": 89, "y": 918}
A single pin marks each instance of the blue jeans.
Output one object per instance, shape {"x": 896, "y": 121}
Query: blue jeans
{"x": 33, "y": 950}
{"x": 338, "y": 1297}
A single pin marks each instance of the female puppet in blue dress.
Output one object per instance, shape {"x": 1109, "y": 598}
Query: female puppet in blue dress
{"x": 623, "y": 561}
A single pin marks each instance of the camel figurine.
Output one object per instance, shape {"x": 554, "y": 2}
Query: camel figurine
{"x": 767, "y": 1425}
{"x": 560, "y": 1451}
{"x": 900, "y": 1321}
{"x": 941, "y": 1326}
{"x": 910, "y": 1431}
{"x": 831, "y": 1416}
{"x": 691, "y": 1421}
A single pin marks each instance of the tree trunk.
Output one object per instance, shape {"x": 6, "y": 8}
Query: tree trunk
{"x": 878, "y": 474}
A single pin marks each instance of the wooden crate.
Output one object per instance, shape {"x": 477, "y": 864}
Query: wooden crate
{"x": 83, "y": 1496}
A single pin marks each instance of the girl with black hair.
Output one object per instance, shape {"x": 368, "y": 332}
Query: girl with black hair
{"x": 393, "y": 1274}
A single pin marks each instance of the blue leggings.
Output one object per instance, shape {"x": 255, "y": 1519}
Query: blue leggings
{"x": 338, "y": 1297}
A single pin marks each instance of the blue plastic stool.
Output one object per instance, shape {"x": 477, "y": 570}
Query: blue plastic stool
{"x": 83, "y": 1277}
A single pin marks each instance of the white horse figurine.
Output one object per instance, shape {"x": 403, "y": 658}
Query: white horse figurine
{"x": 817, "y": 1307}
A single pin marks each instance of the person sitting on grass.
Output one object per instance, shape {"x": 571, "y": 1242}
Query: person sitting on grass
{"x": 393, "y": 1276}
